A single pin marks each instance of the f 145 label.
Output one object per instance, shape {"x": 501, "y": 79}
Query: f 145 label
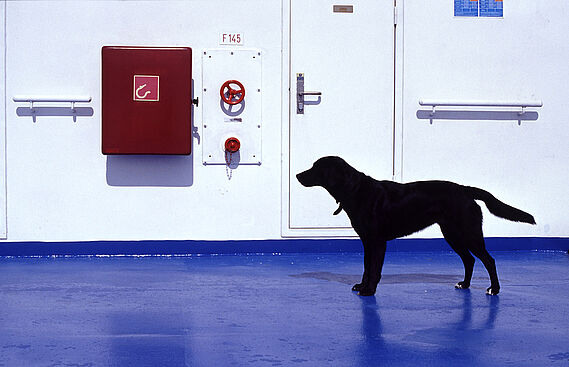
{"x": 231, "y": 38}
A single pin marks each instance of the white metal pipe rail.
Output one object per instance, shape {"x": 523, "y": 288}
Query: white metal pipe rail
{"x": 434, "y": 103}
{"x": 51, "y": 99}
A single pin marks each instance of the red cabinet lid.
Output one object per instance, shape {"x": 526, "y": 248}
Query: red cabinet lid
{"x": 146, "y": 100}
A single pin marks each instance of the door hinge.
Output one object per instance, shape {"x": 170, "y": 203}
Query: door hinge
{"x": 395, "y": 15}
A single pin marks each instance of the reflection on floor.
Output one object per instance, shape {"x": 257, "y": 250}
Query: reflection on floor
{"x": 282, "y": 310}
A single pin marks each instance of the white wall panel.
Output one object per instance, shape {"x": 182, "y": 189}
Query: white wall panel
{"x": 517, "y": 57}
{"x": 2, "y": 122}
{"x": 63, "y": 188}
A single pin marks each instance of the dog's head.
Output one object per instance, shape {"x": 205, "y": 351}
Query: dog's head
{"x": 328, "y": 172}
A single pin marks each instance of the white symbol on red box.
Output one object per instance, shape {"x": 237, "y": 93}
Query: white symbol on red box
{"x": 146, "y": 88}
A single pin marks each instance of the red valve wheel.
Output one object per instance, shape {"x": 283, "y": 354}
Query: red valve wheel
{"x": 232, "y": 145}
{"x": 232, "y": 96}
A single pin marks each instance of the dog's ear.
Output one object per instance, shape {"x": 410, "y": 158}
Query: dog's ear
{"x": 343, "y": 176}
{"x": 336, "y": 176}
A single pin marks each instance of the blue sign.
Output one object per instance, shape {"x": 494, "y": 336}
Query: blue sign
{"x": 491, "y": 8}
{"x": 465, "y": 8}
{"x": 475, "y": 8}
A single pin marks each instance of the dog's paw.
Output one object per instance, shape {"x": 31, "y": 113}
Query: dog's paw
{"x": 365, "y": 292}
{"x": 357, "y": 287}
{"x": 462, "y": 285}
{"x": 492, "y": 291}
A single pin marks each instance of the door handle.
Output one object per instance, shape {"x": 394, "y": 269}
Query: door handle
{"x": 310, "y": 93}
{"x": 300, "y": 93}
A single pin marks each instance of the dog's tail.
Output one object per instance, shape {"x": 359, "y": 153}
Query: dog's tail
{"x": 499, "y": 208}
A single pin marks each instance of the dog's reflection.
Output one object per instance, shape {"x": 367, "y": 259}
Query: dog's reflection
{"x": 372, "y": 329}
{"x": 378, "y": 345}
{"x": 465, "y": 322}
{"x": 373, "y": 348}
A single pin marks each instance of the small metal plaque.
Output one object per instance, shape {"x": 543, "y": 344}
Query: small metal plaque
{"x": 343, "y": 8}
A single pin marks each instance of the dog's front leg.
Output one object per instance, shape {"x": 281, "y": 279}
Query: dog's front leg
{"x": 374, "y": 255}
{"x": 358, "y": 287}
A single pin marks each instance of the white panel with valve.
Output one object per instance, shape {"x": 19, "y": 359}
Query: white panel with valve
{"x": 231, "y": 98}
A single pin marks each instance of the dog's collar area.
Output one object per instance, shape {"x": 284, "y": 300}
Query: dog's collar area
{"x": 339, "y": 208}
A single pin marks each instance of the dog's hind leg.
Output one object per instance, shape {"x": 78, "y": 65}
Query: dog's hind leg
{"x": 474, "y": 241}
{"x": 479, "y": 250}
{"x": 457, "y": 244}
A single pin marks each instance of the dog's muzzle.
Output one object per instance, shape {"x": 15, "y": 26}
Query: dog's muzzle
{"x": 305, "y": 178}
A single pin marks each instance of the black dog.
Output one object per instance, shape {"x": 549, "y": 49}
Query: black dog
{"x": 384, "y": 210}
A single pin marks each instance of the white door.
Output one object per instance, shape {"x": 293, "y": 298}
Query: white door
{"x": 347, "y": 54}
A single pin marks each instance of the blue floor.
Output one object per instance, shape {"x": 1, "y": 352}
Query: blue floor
{"x": 282, "y": 310}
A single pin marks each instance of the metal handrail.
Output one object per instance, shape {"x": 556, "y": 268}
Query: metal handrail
{"x": 51, "y": 99}
{"x": 434, "y": 103}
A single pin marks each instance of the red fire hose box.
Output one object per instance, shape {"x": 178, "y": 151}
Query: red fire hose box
{"x": 146, "y": 100}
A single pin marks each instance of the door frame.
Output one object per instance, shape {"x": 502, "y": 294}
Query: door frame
{"x": 286, "y": 98}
